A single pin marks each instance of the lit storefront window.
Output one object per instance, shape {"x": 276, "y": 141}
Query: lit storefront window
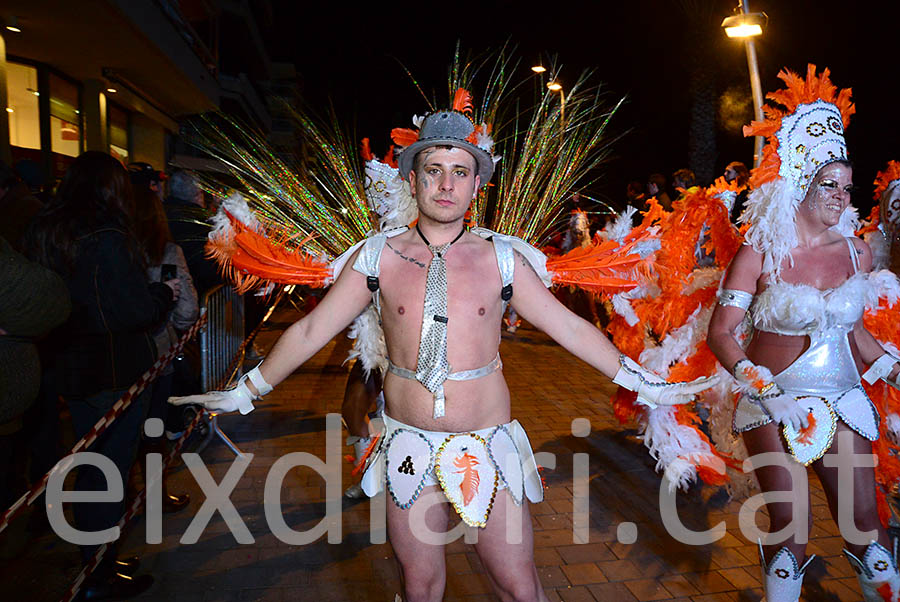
{"x": 118, "y": 133}
{"x": 22, "y": 110}
{"x": 65, "y": 117}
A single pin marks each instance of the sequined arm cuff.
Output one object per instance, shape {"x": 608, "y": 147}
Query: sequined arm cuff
{"x": 735, "y": 298}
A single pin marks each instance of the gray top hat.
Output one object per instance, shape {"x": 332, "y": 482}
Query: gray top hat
{"x": 448, "y": 128}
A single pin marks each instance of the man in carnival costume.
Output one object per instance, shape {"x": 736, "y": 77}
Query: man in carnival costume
{"x": 440, "y": 291}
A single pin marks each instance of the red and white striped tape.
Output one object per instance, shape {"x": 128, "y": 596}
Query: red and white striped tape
{"x": 114, "y": 412}
{"x": 130, "y": 513}
{"x": 92, "y": 565}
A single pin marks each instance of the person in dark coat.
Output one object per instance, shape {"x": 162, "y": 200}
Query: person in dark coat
{"x": 33, "y": 300}
{"x": 189, "y": 224}
{"x": 86, "y": 235}
{"x": 737, "y": 171}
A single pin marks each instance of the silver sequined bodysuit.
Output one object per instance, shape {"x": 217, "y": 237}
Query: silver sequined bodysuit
{"x": 826, "y": 369}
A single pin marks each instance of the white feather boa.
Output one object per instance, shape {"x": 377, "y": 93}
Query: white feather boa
{"x": 677, "y": 448}
{"x": 368, "y": 342}
{"x": 404, "y": 212}
{"x": 679, "y": 344}
{"x": 882, "y": 284}
{"x": 620, "y": 228}
{"x": 771, "y": 211}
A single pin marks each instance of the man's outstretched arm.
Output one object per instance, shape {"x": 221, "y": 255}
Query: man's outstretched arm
{"x": 537, "y": 305}
{"x": 534, "y": 302}
{"x": 345, "y": 300}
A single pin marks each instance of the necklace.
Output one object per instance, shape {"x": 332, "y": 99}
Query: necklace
{"x": 425, "y": 240}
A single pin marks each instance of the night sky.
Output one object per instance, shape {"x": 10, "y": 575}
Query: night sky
{"x": 349, "y": 55}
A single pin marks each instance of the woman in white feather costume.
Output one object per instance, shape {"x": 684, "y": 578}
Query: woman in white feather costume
{"x": 802, "y": 279}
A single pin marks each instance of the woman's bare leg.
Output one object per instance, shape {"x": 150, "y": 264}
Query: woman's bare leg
{"x": 767, "y": 439}
{"x": 865, "y": 507}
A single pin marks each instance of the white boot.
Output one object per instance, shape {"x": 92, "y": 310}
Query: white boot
{"x": 360, "y": 446}
{"x": 783, "y": 578}
{"x": 877, "y": 573}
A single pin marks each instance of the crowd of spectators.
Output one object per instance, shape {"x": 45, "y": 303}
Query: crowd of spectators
{"x": 98, "y": 280}
{"x": 638, "y": 192}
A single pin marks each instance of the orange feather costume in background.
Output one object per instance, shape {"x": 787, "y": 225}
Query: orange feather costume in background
{"x": 699, "y": 219}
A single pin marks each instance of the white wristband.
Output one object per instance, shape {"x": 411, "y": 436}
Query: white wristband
{"x": 880, "y": 368}
{"x": 629, "y": 377}
{"x": 256, "y": 377}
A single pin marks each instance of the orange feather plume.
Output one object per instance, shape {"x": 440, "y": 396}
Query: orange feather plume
{"x": 882, "y": 323}
{"x": 365, "y": 150}
{"x": 249, "y": 258}
{"x": 722, "y": 185}
{"x": 404, "y": 136}
{"x": 696, "y": 213}
{"x": 806, "y": 434}
{"x": 471, "y": 480}
{"x": 873, "y": 220}
{"x": 389, "y": 158}
{"x": 884, "y": 178}
{"x": 798, "y": 91}
{"x": 602, "y": 268}
{"x": 462, "y": 101}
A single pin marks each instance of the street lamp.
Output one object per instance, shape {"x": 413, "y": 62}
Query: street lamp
{"x": 538, "y": 68}
{"x": 745, "y": 26}
{"x": 13, "y": 25}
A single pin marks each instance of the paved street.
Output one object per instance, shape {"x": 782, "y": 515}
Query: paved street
{"x": 549, "y": 389}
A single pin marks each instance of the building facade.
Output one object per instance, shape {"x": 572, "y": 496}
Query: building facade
{"x": 119, "y": 76}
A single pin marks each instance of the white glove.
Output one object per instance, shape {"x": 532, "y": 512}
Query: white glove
{"x": 783, "y": 408}
{"x": 653, "y": 390}
{"x": 757, "y": 382}
{"x": 237, "y": 398}
{"x": 882, "y": 368}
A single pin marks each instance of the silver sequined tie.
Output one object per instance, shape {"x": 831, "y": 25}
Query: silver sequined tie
{"x": 432, "y": 367}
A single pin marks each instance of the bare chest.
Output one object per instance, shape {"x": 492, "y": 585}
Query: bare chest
{"x": 472, "y": 289}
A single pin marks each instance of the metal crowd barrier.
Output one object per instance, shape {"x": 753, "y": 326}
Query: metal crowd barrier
{"x": 222, "y": 336}
{"x": 220, "y": 341}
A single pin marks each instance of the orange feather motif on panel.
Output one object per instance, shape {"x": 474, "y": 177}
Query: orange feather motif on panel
{"x": 471, "y": 480}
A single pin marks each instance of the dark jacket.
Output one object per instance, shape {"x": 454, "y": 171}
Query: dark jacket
{"x": 33, "y": 300}
{"x": 740, "y": 202}
{"x": 106, "y": 342}
{"x": 190, "y": 228}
